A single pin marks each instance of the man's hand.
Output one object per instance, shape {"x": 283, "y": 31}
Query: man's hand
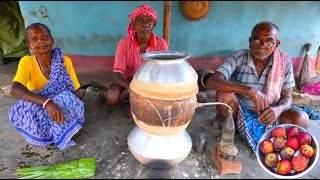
{"x": 125, "y": 95}
{"x": 55, "y": 112}
{"x": 259, "y": 99}
{"x": 269, "y": 115}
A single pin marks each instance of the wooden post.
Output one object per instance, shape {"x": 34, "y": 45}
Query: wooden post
{"x": 166, "y": 22}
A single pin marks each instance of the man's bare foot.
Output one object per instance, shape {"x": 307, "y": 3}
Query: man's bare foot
{"x": 217, "y": 124}
{"x": 127, "y": 112}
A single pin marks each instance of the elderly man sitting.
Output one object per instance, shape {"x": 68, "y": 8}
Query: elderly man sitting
{"x": 140, "y": 39}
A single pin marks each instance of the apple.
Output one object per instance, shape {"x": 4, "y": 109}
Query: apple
{"x": 271, "y": 159}
{"x": 284, "y": 167}
{"x": 293, "y": 143}
{"x": 279, "y": 144}
{"x": 306, "y": 150}
{"x": 287, "y": 153}
{"x": 292, "y": 132}
{"x": 266, "y": 146}
{"x": 279, "y": 132}
{"x": 299, "y": 163}
{"x": 304, "y": 138}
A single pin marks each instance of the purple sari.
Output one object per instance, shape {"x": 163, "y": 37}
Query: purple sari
{"x": 33, "y": 121}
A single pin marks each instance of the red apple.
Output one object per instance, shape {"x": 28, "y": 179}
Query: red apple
{"x": 306, "y": 150}
{"x": 299, "y": 163}
{"x": 284, "y": 167}
{"x": 287, "y": 153}
{"x": 266, "y": 146}
{"x": 292, "y": 132}
{"x": 279, "y": 132}
{"x": 293, "y": 143}
{"x": 271, "y": 159}
{"x": 304, "y": 138}
{"x": 279, "y": 144}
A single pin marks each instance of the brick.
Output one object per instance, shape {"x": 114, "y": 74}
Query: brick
{"x": 228, "y": 153}
{"x": 225, "y": 166}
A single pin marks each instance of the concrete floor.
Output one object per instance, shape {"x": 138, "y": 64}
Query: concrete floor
{"x": 104, "y": 137}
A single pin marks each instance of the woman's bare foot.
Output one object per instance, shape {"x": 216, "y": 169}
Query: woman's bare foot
{"x": 37, "y": 146}
{"x": 74, "y": 137}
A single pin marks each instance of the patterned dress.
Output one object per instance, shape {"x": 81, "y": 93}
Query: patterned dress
{"x": 33, "y": 121}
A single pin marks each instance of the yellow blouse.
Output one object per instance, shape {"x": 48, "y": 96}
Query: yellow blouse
{"x": 29, "y": 73}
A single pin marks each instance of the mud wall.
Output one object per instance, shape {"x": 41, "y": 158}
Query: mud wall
{"x": 89, "y": 30}
{"x": 94, "y": 28}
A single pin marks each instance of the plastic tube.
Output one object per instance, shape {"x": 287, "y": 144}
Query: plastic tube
{"x": 212, "y": 103}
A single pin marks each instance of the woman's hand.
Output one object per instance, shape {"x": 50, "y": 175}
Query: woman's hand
{"x": 55, "y": 113}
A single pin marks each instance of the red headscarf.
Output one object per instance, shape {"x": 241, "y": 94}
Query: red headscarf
{"x": 142, "y": 10}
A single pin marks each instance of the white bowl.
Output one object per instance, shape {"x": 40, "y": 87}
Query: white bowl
{"x": 293, "y": 174}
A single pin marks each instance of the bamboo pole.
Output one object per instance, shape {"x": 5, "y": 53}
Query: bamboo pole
{"x": 166, "y": 22}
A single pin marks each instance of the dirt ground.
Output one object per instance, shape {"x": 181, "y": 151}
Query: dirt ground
{"x": 104, "y": 137}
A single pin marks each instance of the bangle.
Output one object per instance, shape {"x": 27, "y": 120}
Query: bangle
{"x": 204, "y": 79}
{"x": 122, "y": 95}
{"x": 45, "y": 103}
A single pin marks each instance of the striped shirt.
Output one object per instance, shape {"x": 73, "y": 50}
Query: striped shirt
{"x": 239, "y": 68}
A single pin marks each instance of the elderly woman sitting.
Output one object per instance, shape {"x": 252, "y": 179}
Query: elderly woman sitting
{"x": 48, "y": 110}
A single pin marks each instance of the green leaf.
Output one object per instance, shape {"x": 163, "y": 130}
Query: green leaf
{"x": 76, "y": 169}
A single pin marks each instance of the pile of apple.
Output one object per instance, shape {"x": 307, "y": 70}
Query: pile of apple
{"x": 287, "y": 142}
